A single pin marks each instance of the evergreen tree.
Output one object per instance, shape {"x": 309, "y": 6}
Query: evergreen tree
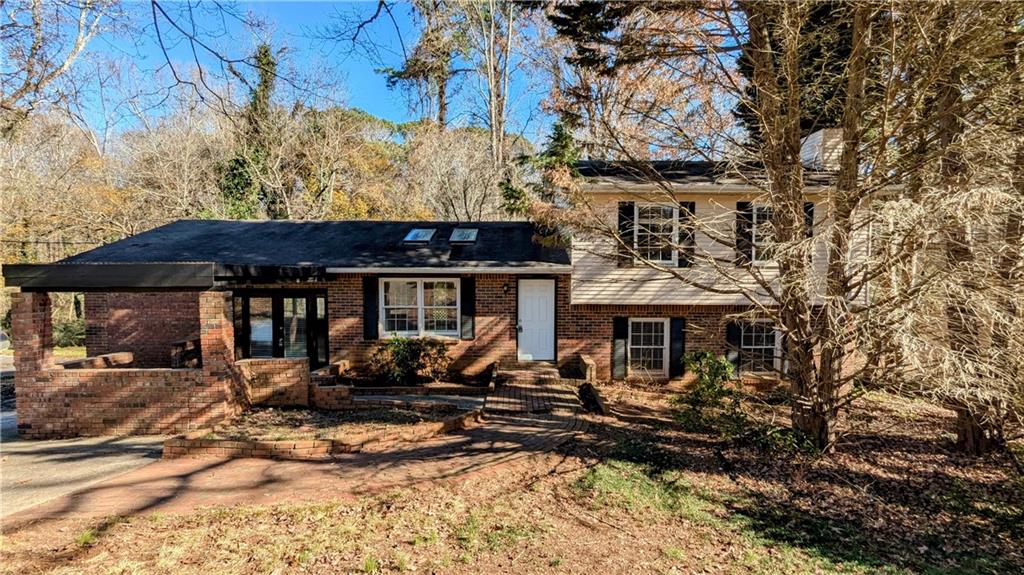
{"x": 825, "y": 37}
{"x": 244, "y": 195}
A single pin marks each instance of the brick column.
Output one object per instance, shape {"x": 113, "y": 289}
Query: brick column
{"x": 97, "y": 314}
{"x": 32, "y": 338}
{"x": 220, "y": 393}
{"x": 31, "y": 332}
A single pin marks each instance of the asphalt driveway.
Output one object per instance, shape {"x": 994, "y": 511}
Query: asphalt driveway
{"x": 32, "y": 472}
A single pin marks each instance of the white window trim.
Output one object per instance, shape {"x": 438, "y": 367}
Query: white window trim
{"x": 777, "y": 350}
{"x": 629, "y": 346}
{"x": 420, "y": 308}
{"x": 675, "y": 231}
{"x": 753, "y": 236}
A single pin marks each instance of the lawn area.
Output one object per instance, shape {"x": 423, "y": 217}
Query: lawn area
{"x": 268, "y": 424}
{"x": 76, "y": 352}
{"x": 636, "y": 495}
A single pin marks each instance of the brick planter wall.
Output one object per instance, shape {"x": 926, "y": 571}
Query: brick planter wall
{"x": 330, "y": 396}
{"x": 196, "y": 444}
{"x": 279, "y": 382}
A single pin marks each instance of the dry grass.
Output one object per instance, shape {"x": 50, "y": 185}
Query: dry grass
{"x": 637, "y": 496}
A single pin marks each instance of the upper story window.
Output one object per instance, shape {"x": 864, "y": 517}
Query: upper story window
{"x": 419, "y": 307}
{"x": 655, "y": 232}
{"x": 761, "y": 235}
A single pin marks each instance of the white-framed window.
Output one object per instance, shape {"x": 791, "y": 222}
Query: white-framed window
{"x": 648, "y": 346}
{"x": 759, "y": 346}
{"x": 415, "y": 307}
{"x": 655, "y": 232}
{"x": 761, "y": 235}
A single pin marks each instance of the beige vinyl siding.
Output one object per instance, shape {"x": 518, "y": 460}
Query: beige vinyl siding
{"x": 597, "y": 280}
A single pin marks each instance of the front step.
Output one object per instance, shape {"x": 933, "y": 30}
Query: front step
{"x": 527, "y": 372}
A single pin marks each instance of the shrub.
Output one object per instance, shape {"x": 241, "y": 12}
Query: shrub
{"x": 434, "y": 359}
{"x": 69, "y": 333}
{"x": 712, "y": 407}
{"x": 709, "y": 405}
{"x": 403, "y": 361}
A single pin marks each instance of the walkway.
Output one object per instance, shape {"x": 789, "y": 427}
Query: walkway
{"x": 32, "y": 472}
{"x": 183, "y": 484}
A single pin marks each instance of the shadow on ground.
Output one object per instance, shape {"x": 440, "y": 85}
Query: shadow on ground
{"x": 889, "y": 499}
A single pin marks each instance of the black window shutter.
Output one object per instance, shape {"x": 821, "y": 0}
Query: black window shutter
{"x": 687, "y": 211}
{"x": 744, "y": 232}
{"x": 467, "y": 307}
{"x": 626, "y": 224}
{"x": 732, "y": 345}
{"x": 620, "y": 337}
{"x": 676, "y": 346}
{"x": 370, "y": 307}
{"x": 809, "y": 218}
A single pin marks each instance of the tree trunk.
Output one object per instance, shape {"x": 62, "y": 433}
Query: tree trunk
{"x": 442, "y": 99}
{"x": 816, "y": 422}
{"x": 972, "y": 436}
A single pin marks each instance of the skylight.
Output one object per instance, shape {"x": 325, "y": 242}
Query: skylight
{"x": 419, "y": 235}
{"x": 463, "y": 235}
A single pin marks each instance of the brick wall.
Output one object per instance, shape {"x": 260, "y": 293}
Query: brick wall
{"x": 73, "y": 402}
{"x": 495, "y": 323}
{"x": 587, "y": 329}
{"x": 282, "y": 382}
{"x": 144, "y": 323}
{"x": 58, "y": 402}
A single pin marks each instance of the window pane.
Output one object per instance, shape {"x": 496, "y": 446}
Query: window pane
{"x": 439, "y": 293}
{"x": 401, "y": 319}
{"x": 321, "y": 308}
{"x": 237, "y": 309}
{"x": 321, "y": 345}
{"x": 261, "y": 327}
{"x": 647, "y": 345}
{"x": 440, "y": 320}
{"x": 294, "y": 327}
{"x": 399, "y": 293}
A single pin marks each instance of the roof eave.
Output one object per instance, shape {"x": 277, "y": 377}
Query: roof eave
{"x": 109, "y": 276}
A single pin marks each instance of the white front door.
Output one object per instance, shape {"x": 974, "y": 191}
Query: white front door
{"x": 536, "y": 320}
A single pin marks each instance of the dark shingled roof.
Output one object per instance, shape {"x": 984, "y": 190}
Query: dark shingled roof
{"x": 196, "y": 254}
{"x": 329, "y": 244}
{"x": 693, "y": 173}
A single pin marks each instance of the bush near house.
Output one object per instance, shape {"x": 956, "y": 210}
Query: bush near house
{"x": 712, "y": 406}
{"x": 405, "y": 361}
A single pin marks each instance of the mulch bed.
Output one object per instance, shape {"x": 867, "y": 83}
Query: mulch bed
{"x": 269, "y": 424}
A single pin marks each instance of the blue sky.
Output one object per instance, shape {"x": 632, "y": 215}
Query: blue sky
{"x": 298, "y": 27}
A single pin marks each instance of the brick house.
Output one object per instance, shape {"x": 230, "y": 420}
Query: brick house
{"x": 182, "y": 319}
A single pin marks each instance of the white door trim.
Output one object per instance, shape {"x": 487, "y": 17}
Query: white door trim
{"x": 535, "y": 324}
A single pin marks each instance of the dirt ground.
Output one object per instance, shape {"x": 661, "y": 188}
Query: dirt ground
{"x": 636, "y": 494}
{"x": 269, "y": 424}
